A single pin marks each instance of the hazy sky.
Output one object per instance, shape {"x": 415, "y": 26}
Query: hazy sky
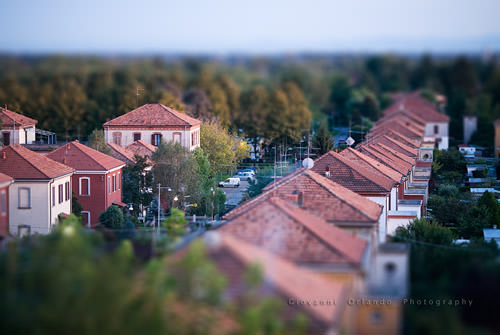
{"x": 257, "y": 26}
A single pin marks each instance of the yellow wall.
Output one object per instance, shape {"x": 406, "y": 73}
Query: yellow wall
{"x": 388, "y": 321}
{"x": 497, "y": 140}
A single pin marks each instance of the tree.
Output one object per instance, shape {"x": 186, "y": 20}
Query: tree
{"x": 176, "y": 167}
{"x": 112, "y": 218}
{"x": 97, "y": 141}
{"x": 175, "y": 223}
{"x": 137, "y": 183}
{"x": 223, "y": 150}
{"x": 76, "y": 206}
{"x": 323, "y": 139}
{"x": 197, "y": 103}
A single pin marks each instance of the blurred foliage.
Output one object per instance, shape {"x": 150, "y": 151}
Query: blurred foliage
{"x": 456, "y": 272}
{"x": 72, "y": 282}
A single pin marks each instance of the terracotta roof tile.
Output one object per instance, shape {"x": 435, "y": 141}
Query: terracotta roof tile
{"x": 282, "y": 279}
{"x": 4, "y": 178}
{"x": 370, "y": 163}
{"x": 384, "y": 157}
{"x": 350, "y": 175}
{"x": 294, "y": 234}
{"x": 21, "y": 163}
{"x": 141, "y": 148}
{"x": 153, "y": 115}
{"x": 121, "y": 153}
{"x": 321, "y": 197}
{"x": 395, "y": 145}
{"x": 82, "y": 157}
{"x": 413, "y": 103}
{"x": 396, "y": 151}
{"x": 10, "y": 118}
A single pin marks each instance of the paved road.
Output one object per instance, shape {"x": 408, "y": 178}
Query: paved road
{"x": 234, "y": 195}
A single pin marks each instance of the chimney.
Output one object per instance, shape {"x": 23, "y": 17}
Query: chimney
{"x": 297, "y": 198}
{"x": 4, "y": 155}
{"x": 327, "y": 171}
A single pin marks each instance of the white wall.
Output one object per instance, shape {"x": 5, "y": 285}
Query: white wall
{"x": 42, "y": 215}
{"x": 394, "y": 198}
{"x": 167, "y": 135}
{"x": 394, "y": 222}
{"x": 442, "y": 133}
{"x": 395, "y": 282}
{"x": 382, "y": 222}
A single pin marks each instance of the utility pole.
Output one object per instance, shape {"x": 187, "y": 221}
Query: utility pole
{"x": 137, "y": 89}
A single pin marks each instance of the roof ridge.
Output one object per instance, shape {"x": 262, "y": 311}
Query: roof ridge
{"x": 364, "y": 172}
{"x": 13, "y": 147}
{"x": 372, "y": 162}
{"x": 314, "y": 176}
{"x": 87, "y": 154}
{"x": 303, "y": 220}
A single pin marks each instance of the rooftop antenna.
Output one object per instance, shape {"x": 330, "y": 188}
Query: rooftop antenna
{"x": 137, "y": 89}
{"x": 308, "y": 163}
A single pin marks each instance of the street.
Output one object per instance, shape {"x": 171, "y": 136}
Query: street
{"x": 234, "y": 195}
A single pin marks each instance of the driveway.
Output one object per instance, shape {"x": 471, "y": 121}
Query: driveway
{"x": 234, "y": 195}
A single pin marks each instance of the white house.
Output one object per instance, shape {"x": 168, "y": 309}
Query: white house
{"x": 153, "y": 123}
{"x": 17, "y": 128}
{"x": 40, "y": 193}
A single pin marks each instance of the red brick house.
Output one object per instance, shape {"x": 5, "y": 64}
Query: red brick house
{"x": 97, "y": 182}
{"x": 5, "y": 182}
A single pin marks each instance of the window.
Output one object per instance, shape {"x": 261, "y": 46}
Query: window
{"x": 61, "y": 196}
{"x": 376, "y": 317}
{"x": 109, "y": 184}
{"x": 436, "y": 129}
{"x": 84, "y": 185}
{"x": 137, "y": 136}
{"x": 114, "y": 183}
{"x": 53, "y": 195}
{"x": 24, "y": 197}
{"x": 6, "y": 138}
{"x": 117, "y": 138}
{"x": 86, "y": 218}
{"x": 66, "y": 191}
{"x": 390, "y": 270}
{"x": 3, "y": 203}
{"x": 119, "y": 180}
{"x": 155, "y": 139}
{"x": 195, "y": 138}
{"x": 176, "y": 137}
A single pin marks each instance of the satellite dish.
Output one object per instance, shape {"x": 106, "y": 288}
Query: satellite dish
{"x": 350, "y": 141}
{"x": 308, "y": 163}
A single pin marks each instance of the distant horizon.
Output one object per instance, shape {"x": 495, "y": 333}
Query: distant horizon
{"x": 261, "y": 27}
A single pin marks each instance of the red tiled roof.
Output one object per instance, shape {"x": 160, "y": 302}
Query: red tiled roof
{"x": 121, "y": 153}
{"x": 4, "y": 178}
{"x": 232, "y": 257}
{"x": 153, "y": 115}
{"x": 20, "y": 163}
{"x": 386, "y": 158}
{"x": 295, "y": 234}
{"x": 404, "y": 139}
{"x": 417, "y": 105}
{"x": 405, "y": 115}
{"x": 352, "y": 176}
{"x": 396, "y": 151}
{"x": 370, "y": 163}
{"x": 407, "y": 130}
{"x": 395, "y": 145}
{"x": 321, "y": 197}
{"x": 10, "y": 118}
{"x": 141, "y": 148}
{"x": 82, "y": 157}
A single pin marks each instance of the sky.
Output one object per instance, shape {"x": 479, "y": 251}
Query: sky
{"x": 256, "y": 26}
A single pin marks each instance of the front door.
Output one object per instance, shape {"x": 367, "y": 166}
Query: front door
{"x": 6, "y": 138}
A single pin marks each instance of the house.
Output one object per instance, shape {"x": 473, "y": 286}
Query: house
{"x": 361, "y": 180}
{"x": 17, "y": 128}
{"x": 300, "y": 291}
{"x": 41, "y": 190}
{"x": 153, "y": 123}
{"x": 97, "y": 181}
{"x": 5, "y": 182}
{"x": 436, "y": 123}
{"x": 288, "y": 231}
{"x": 324, "y": 198}
{"x": 127, "y": 154}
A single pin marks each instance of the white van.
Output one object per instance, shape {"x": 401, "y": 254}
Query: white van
{"x": 230, "y": 182}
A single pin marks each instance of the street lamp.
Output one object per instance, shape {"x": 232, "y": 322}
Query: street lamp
{"x": 213, "y": 196}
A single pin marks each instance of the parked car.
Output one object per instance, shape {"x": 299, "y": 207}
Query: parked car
{"x": 251, "y": 170}
{"x": 245, "y": 175}
{"x": 230, "y": 182}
